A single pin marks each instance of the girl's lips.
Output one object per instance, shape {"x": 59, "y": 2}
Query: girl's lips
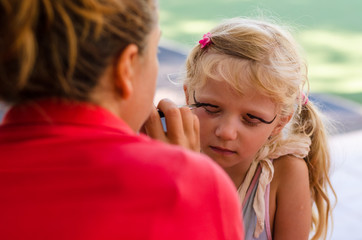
{"x": 223, "y": 151}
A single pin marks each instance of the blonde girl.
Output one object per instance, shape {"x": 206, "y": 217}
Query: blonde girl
{"x": 246, "y": 79}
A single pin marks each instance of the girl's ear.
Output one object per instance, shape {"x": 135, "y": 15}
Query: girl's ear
{"x": 186, "y": 95}
{"x": 125, "y": 71}
{"x": 282, "y": 122}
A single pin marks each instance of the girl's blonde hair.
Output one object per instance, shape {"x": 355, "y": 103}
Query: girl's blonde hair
{"x": 61, "y": 48}
{"x": 268, "y": 59}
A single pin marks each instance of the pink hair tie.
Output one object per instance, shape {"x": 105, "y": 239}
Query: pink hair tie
{"x": 206, "y": 40}
{"x": 304, "y": 99}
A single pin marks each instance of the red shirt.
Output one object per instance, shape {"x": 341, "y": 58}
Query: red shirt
{"x": 75, "y": 171}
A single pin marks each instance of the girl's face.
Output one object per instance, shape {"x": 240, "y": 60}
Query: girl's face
{"x": 233, "y": 127}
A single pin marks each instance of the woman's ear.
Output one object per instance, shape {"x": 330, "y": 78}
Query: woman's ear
{"x": 281, "y": 124}
{"x": 186, "y": 95}
{"x": 125, "y": 71}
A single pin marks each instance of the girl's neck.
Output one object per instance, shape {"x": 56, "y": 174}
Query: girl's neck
{"x": 236, "y": 175}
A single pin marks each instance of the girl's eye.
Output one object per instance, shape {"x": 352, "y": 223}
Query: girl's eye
{"x": 256, "y": 120}
{"x": 251, "y": 122}
{"x": 211, "y": 110}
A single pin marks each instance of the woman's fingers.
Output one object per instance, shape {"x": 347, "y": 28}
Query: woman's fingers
{"x": 182, "y": 126}
{"x": 191, "y": 129}
{"x": 153, "y": 127}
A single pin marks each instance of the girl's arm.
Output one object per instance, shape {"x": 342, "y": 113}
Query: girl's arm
{"x": 292, "y": 219}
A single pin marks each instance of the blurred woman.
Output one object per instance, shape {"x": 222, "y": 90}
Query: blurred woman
{"x": 79, "y": 77}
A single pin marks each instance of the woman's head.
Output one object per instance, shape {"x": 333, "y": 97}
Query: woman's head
{"x": 61, "y": 48}
{"x": 250, "y": 55}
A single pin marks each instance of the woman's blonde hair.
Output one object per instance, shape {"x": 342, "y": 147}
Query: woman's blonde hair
{"x": 61, "y": 48}
{"x": 268, "y": 59}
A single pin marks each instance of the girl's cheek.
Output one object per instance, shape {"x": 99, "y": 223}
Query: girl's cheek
{"x": 201, "y": 112}
{"x": 202, "y": 115}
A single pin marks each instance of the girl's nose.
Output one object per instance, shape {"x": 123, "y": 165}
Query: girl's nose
{"x": 227, "y": 130}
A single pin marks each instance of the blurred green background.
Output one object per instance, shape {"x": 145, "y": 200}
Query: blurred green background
{"x": 329, "y": 31}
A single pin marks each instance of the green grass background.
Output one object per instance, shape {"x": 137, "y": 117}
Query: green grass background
{"x": 330, "y": 33}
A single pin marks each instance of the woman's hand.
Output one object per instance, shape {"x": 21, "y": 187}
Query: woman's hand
{"x": 183, "y": 126}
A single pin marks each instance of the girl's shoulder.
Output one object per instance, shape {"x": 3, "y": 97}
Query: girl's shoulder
{"x": 290, "y": 176}
{"x": 290, "y": 168}
{"x": 290, "y": 198}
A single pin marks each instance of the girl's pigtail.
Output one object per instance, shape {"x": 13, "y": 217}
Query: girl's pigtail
{"x": 318, "y": 160}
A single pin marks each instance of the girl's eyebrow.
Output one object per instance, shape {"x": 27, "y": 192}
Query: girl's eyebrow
{"x": 200, "y": 104}
{"x": 260, "y": 119}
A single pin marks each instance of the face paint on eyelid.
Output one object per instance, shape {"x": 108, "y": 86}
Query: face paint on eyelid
{"x": 260, "y": 119}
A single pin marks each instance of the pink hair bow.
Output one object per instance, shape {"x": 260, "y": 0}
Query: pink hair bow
{"x": 205, "y": 41}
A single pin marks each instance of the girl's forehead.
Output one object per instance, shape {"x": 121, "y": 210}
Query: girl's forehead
{"x": 223, "y": 93}
{"x": 235, "y": 72}
{"x": 226, "y": 76}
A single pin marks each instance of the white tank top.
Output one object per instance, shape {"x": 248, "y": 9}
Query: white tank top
{"x": 249, "y": 215}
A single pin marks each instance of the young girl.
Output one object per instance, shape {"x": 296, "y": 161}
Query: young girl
{"x": 245, "y": 79}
